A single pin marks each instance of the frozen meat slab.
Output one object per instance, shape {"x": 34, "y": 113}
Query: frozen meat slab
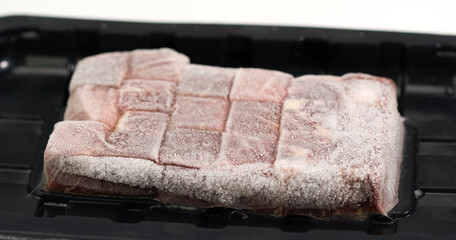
{"x": 147, "y": 123}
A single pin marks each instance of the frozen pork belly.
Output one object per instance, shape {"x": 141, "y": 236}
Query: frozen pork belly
{"x": 147, "y": 123}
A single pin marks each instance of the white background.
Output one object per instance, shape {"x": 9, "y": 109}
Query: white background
{"x": 435, "y": 16}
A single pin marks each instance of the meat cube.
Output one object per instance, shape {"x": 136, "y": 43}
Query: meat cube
{"x": 250, "y": 118}
{"x": 144, "y": 58}
{"x": 135, "y": 144}
{"x": 260, "y": 85}
{"x": 297, "y": 148}
{"x": 139, "y": 134}
{"x": 366, "y": 89}
{"x": 140, "y": 95}
{"x": 159, "y": 64}
{"x": 295, "y": 120}
{"x": 74, "y": 138}
{"x": 206, "y": 81}
{"x": 190, "y": 148}
{"x": 200, "y": 113}
{"x": 315, "y": 87}
{"x": 92, "y": 138}
{"x": 143, "y": 121}
{"x": 304, "y": 114}
{"x": 317, "y": 95}
{"x": 163, "y": 72}
{"x": 107, "y": 69}
{"x": 245, "y": 149}
{"x": 94, "y": 103}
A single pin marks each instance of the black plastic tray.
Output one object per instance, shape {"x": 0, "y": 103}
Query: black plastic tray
{"x": 37, "y": 56}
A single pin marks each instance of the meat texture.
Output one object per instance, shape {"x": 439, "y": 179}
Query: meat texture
{"x": 147, "y": 123}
